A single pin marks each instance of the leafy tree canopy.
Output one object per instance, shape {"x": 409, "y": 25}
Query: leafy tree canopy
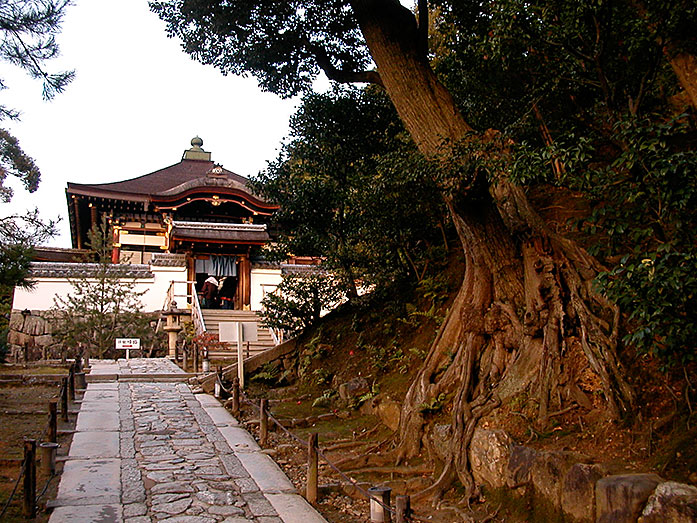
{"x": 27, "y": 41}
{"x": 299, "y": 301}
{"x": 104, "y": 304}
{"x": 351, "y": 189}
{"x": 283, "y": 44}
{"x": 585, "y": 96}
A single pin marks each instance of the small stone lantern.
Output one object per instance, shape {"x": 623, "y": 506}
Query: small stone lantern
{"x": 172, "y": 327}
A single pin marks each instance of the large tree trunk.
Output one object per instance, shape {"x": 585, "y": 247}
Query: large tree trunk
{"x": 524, "y": 288}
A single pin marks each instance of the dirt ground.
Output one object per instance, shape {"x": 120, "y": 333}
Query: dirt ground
{"x": 24, "y": 397}
{"x": 348, "y": 435}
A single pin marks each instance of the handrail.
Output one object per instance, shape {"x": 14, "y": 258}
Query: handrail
{"x": 276, "y": 335}
{"x": 197, "y": 315}
{"x": 169, "y": 298}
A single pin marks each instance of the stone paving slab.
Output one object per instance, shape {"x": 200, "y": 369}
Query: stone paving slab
{"x": 100, "y": 406}
{"x": 112, "y": 513}
{"x": 105, "y": 385}
{"x": 97, "y": 420}
{"x": 93, "y": 444}
{"x": 296, "y": 505}
{"x": 90, "y": 482}
{"x": 97, "y": 395}
{"x": 153, "y": 451}
{"x": 266, "y": 473}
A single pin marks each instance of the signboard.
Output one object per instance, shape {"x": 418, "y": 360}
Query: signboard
{"x": 127, "y": 344}
{"x": 238, "y": 332}
{"x": 228, "y": 331}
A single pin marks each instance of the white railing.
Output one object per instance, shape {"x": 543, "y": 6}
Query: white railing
{"x": 197, "y": 315}
{"x": 276, "y": 335}
{"x": 190, "y": 302}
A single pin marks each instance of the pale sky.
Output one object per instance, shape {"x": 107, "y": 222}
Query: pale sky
{"x": 136, "y": 102}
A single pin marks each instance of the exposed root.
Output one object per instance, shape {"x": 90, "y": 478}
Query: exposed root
{"x": 514, "y": 299}
{"x": 402, "y": 471}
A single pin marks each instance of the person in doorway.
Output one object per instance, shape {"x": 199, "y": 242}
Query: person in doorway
{"x": 209, "y": 293}
{"x": 227, "y": 292}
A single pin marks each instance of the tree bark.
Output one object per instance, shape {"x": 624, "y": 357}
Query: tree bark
{"x": 685, "y": 68}
{"x": 525, "y": 288}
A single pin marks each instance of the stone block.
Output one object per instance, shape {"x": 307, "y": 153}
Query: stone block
{"x": 671, "y": 501}
{"x": 578, "y": 491}
{"x": 621, "y": 498}
{"x": 90, "y": 482}
{"x": 547, "y": 474}
{"x": 45, "y": 340}
{"x": 97, "y": 421}
{"x": 519, "y": 465}
{"x": 490, "y": 452}
{"x": 354, "y": 388}
{"x": 388, "y": 410}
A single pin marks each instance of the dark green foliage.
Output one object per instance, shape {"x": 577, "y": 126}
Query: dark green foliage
{"x": 299, "y": 301}
{"x": 283, "y": 44}
{"x": 17, "y": 236}
{"x": 27, "y": 40}
{"x": 353, "y": 190}
{"x": 582, "y": 94}
{"x": 103, "y": 305}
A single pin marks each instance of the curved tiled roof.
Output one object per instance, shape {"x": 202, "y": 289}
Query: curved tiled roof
{"x": 170, "y": 180}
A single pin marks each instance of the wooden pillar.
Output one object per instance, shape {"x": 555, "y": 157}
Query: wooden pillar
{"x": 245, "y": 281}
{"x": 116, "y": 249}
{"x": 94, "y": 216}
{"x": 78, "y": 232}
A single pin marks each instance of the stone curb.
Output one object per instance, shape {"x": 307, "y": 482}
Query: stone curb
{"x": 271, "y": 480}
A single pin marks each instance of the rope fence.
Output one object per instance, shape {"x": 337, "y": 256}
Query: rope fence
{"x": 49, "y": 446}
{"x": 380, "y": 507}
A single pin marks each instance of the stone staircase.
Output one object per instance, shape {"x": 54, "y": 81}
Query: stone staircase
{"x": 213, "y": 317}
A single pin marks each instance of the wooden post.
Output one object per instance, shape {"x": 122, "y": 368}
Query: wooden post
{"x": 52, "y": 421}
{"x": 48, "y": 457}
{"x": 312, "y": 462}
{"x": 263, "y": 423}
{"x": 219, "y": 392}
{"x": 240, "y": 357}
{"x": 29, "y": 478}
{"x": 64, "y": 399}
{"x": 71, "y": 383}
{"x": 379, "y": 503}
{"x": 235, "y": 397}
{"x": 185, "y": 359}
{"x": 403, "y": 509}
{"x": 196, "y": 360}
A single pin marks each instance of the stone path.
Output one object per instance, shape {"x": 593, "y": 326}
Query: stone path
{"x": 153, "y": 451}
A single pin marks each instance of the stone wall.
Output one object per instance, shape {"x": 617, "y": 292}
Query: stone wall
{"x": 566, "y": 486}
{"x": 32, "y": 330}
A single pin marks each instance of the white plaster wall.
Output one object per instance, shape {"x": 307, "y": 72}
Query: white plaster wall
{"x": 154, "y": 299}
{"x": 41, "y": 296}
{"x": 263, "y": 281}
